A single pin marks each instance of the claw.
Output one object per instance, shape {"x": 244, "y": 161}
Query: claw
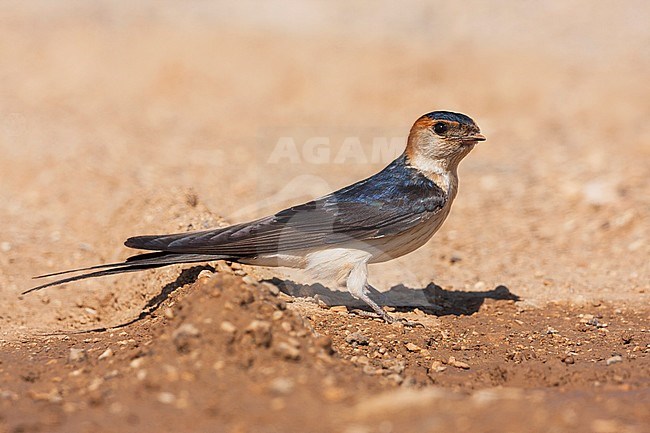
{"x": 410, "y": 324}
{"x": 381, "y": 314}
{"x": 372, "y": 315}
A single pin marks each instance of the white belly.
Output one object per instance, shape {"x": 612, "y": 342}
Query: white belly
{"x": 395, "y": 246}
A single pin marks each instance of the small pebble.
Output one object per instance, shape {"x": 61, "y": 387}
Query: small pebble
{"x": 246, "y": 296}
{"x": 287, "y": 351}
{"x": 95, "y": 383}
{"x": 281, "y": 385}
{"x": 397, "y": 378}
{"x": 320, "y": 302}
{"x": 357, "y": 338}
{"x": 83, "y": 246}
{"x": 166, "y": 397}
{"x": 635, "y": 245}
{"x": 458, "y": 364}
{"x": 205, "y": 274}
{"x": 411, "y": 347}
{"x": 183, "y": 335}
{"x": 53, "y": 396}
{"x": 186, "y": 329}
{"x": 455, "y": 259}
{"x": 437, "y": 367}
{"x": 272, "y": 288}
{"x": 325, "y": 343}
{"x": 593, "y": 321}
{"x": 136, "y": 363}
{"x": 569, "y": 360}
{"x": 361, "y": 360}
{"x": 394, "y": 366}
{"x": 228, "y": 327}
{"x": 249, "y": 280}
{"x": 599, "y": 192}
{"x": 5, "y": 247}
{"x": 106, "y": 354}
{"x": 286, "y": 326}
{"x": 261, "y": 332}
{"x": 614, "y": 359}
{"x": 76, "y": 355}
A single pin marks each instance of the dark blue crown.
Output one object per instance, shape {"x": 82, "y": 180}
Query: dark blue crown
{"x": 448, "y": 115}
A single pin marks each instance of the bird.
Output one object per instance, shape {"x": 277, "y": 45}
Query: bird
{"x": 385, "y": 216}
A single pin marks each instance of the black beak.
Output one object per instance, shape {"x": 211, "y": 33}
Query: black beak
{"x": 475, "y": 137}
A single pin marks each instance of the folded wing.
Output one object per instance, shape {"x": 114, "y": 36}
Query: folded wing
{"x": 385, "y": 205}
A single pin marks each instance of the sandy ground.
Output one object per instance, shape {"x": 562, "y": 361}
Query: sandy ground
{"x": 162, "y": 117}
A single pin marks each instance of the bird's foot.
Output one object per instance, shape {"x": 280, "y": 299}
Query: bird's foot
{"x": 408, "y": 323}
{"x": 371, "y": 315}
{"x": 381, "y": 314}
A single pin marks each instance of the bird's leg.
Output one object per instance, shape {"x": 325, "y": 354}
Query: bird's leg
{"x": 375, "y": 307}
{"x": 384, "y": 315}
{"x": 357, "y": 284}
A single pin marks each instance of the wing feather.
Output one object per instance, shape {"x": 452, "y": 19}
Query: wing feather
{"x": 390, "y": 202}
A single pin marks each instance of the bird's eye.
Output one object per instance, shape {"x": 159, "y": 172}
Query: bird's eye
{"x": 440, "y": 128}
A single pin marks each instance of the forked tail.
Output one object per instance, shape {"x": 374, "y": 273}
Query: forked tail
{"x": 139, "y": 262}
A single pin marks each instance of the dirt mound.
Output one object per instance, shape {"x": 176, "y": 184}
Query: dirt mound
{"x": 216, "y": 347}
{"x": 230, "y": 353}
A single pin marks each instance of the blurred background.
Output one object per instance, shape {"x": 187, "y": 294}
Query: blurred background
{"x": 119, "y": 119}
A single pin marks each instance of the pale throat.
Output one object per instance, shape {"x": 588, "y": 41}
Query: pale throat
{"x": 443, "y": 172}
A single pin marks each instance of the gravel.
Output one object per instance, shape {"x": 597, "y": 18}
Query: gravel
{"x": 357, "y": 338}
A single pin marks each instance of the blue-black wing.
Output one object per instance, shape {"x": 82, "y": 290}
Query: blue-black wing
{"x": 392, "y": 201}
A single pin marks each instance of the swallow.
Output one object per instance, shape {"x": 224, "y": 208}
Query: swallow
{"x": 377, "y": 219}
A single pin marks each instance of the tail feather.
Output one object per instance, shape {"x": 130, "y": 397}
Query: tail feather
{"x": 162, "y": 242}
{"x": 70, "y": 271}
{"x": 134, "y": 263}
{"x": 138, "y": 257}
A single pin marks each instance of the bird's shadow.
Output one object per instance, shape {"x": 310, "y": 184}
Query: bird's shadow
{"x": 431, "y": 299}
{"x": 187, "y": 276}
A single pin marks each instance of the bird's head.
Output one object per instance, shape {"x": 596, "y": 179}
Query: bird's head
{"x": 439, "y": 140}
